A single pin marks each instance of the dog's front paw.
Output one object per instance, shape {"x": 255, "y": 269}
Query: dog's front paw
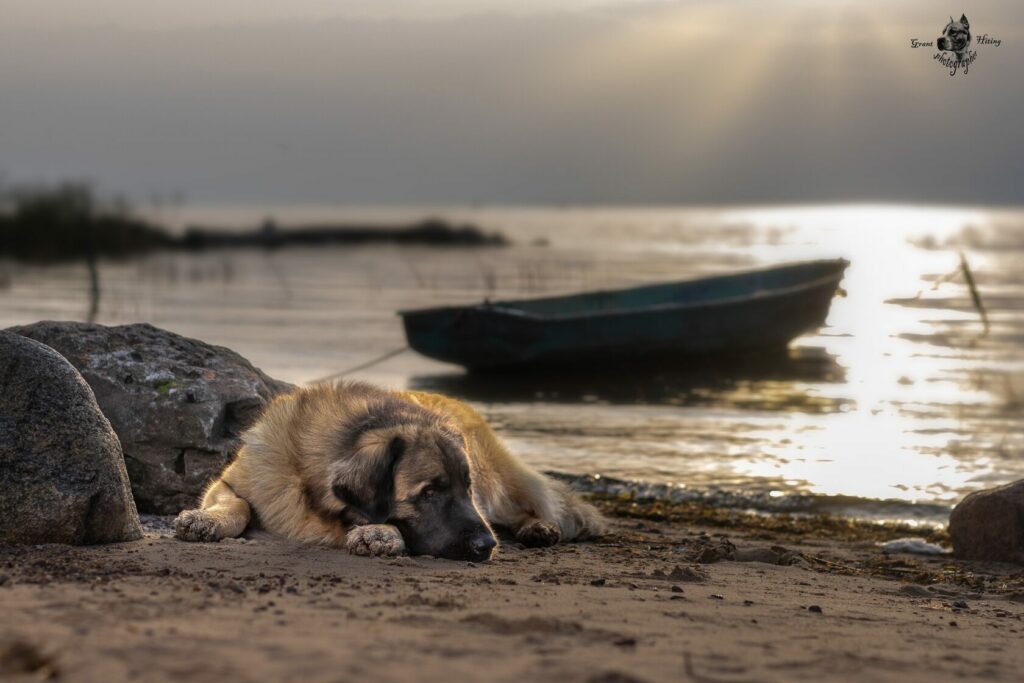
{"x": 538, "y": 534}
{"x": 196, "y": 525}
{"x": 375, "y": 540}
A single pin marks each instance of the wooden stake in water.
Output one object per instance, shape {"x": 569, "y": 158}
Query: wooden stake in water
{"x": 94, "y": 274}
{"x": 975, "y": 296}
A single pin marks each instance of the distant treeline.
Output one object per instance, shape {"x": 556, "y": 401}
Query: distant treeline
{"x": 69, "y": 221}
{"x": 431, "y": 231}
{"x": 39, "y": 223}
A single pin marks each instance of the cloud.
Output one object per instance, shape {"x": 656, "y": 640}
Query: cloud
{"x": 602, "y": 103}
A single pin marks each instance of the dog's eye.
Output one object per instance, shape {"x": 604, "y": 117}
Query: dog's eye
{"x": 428, "y": 492}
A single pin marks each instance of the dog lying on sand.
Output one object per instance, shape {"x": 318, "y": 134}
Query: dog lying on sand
{"x": 384, "y": 473}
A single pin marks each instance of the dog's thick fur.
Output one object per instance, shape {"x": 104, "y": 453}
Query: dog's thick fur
{"x": 383, "y": 473}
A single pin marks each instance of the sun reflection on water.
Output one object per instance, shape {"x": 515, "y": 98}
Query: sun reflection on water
{"x": 875, "y": 448}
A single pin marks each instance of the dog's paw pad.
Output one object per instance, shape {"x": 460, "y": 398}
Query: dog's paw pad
{"x": 375, "y": 540}
{"x": 538, "y": 535}
{"x": 196, "y": 525}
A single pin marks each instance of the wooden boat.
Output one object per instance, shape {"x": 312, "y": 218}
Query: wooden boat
{"x": 761, "y": 310}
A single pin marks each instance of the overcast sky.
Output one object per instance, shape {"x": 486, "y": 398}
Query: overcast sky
{"x": 452, "y": 101}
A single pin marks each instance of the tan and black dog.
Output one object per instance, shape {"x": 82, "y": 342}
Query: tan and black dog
{"x": 383, "y": 473}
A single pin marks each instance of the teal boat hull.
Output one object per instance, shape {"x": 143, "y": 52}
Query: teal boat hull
{"x": 760, "y": 310}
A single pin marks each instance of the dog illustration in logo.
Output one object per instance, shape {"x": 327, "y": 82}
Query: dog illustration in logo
{"x": 956, "y": 38}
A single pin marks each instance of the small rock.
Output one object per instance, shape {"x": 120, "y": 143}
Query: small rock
{"x": 716, "y": 596}
{"x": 687, "y": 574}
{"x": 815, "y": 608}
{"x": 989, "y": 525}
{"x": 765, "y": 555}
{"x": 598, "y": 582}
{"x": 914, "y": 591}
{"x": 707, "y": 551}
{"x": 677, "y": 589}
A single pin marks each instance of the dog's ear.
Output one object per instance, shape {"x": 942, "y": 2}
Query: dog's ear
{"x": 366, "y": 481}
{"x": 963, "y": 20}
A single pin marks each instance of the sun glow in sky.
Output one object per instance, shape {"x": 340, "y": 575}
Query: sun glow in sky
{"x": 488, "y": 101}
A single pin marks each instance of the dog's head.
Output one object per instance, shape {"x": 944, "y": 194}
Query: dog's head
{"x": 956, "y": 37}
{"x": 400, "y": 465}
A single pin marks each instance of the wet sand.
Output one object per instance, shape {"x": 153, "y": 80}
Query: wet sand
{"x": 646, "y": 603}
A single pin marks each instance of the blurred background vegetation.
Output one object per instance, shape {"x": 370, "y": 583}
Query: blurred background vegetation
{"x": 46, "y": 223}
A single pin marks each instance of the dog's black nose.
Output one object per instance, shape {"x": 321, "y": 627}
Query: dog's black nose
{"x": 481, "y": 546}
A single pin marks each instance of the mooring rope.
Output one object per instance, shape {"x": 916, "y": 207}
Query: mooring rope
{"x": 362, "y": 366}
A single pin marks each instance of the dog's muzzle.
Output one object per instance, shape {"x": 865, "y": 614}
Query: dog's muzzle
{"x": 481, "y": 546}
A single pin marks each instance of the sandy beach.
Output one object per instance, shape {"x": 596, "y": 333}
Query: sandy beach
{"x": 647, "y": 603}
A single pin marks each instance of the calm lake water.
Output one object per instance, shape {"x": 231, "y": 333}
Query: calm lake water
{"x": 895, "y": 409}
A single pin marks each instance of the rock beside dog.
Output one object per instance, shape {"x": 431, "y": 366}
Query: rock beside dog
{"x": 62, "y": 476}
{"x": 178, "y": 405}
{"x": 989, "y": 525}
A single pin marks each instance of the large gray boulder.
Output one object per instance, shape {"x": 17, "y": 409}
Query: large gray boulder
{"x": 989, "y": 525}
{"x": 62, "y": 477}
{"x": 177, "y": 404}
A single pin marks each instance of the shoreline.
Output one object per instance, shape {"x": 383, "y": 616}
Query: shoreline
{"x": 794, "y": 503}
{"x": 672, "y": 593}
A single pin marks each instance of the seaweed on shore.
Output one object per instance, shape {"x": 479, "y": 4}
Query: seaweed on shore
{"x": 863, "y": 559}
{"x": 793, "y": 525}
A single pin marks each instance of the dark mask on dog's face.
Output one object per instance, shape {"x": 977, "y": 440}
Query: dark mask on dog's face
{"x": 417, "y": 478}
{"x": 434, "y": 506}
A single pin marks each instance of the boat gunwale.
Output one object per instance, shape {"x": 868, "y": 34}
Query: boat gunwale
{"x": 497, "y": 308}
